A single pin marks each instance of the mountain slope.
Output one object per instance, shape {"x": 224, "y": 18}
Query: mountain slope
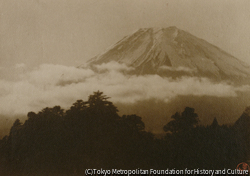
{"x": 174, "y": 52}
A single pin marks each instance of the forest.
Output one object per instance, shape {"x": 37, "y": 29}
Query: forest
{"x": 91, "y": 134}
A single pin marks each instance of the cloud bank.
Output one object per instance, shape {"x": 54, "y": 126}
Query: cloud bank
{"x": 49, "y": 85}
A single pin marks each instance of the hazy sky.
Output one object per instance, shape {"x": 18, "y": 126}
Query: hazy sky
{"x": 69, "y": 32}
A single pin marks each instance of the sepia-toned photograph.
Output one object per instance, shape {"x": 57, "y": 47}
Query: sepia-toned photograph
{"x": 128, "y": 87}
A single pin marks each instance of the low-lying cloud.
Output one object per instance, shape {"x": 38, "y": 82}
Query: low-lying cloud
{"x": 113, "y": 66}
{"x": 177, "y": 69}
{"x": 49, "y": 85}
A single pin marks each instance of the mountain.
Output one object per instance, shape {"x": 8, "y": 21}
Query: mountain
{"x": 173, "y": 52}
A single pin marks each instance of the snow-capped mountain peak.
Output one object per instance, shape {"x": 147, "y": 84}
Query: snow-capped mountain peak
{"x": 170, "y": 52}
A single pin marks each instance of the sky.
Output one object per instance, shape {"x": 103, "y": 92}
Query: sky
{"x": 43, "y": 41}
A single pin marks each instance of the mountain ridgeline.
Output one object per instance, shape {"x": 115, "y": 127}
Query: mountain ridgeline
{"x": 172, "y": 52}
{"x": 91, "y": 134}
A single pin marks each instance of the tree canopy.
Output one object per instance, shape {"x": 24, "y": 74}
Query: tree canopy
{"x": 185, "y": 121}
{"x": 91, "y": 134}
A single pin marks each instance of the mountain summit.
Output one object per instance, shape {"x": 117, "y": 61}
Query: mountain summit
{"x": 174, "y": 52}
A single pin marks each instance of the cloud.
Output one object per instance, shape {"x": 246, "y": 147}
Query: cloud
{"x": 49, "y": 85}
{"x": 177, "y": 69}
{"x": 51, "y": 75}
{"x": 113, "y": 66}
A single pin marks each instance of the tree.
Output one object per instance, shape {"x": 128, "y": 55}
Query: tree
{"x": 56, "y": 111}
{"x": 15, "y": 128}
{"x": 31, "y": 115}
{"x": 215, "y": 123}
{"x": 77, "y": 110}
{"x": 134, "y": 122}
{"x": 99, "y": 103}
{"x": 79, "y": 105}
{"x": 17, "y": 123}
{"x": 182, "y": 122}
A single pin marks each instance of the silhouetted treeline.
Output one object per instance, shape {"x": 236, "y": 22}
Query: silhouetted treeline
{"x": 92, "y": 135}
